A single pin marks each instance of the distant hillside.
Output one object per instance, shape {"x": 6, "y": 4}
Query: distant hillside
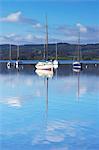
{"x": 65, "y": 51}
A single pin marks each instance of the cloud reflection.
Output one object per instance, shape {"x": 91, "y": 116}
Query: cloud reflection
{"x": 12, "y": 101}
{"x": 58, "y": 131}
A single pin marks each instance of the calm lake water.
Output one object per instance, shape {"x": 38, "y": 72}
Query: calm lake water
{"x": 49, "y": 110}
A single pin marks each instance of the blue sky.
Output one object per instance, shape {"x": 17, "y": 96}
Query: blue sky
{"x": 23, "y": 21}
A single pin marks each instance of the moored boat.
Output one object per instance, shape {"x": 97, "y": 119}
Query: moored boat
{"x": 44, "y": 65}
{"x": 77, "y": 65}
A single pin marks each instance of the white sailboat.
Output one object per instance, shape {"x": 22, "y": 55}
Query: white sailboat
{"x": 9, "y": 62}
{"x": 45, "y": 65}
{"x": 77, "y": 63}
{"x": 17, "y": 61}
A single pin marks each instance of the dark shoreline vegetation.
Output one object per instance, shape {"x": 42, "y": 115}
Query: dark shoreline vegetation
{"x": 36, "y": 51}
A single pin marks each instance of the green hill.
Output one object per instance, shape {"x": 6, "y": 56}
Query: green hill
{"x": 65, "y": 51}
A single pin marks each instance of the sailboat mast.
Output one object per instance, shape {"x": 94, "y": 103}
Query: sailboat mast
{"x": 79, "y": 45}
{"x": 44, "y": 56}
{"x": 17, "y": 52}
{"x": 10, "y": 52}
{"x": 56, "y": 50}
{"x": 46, "y": 46}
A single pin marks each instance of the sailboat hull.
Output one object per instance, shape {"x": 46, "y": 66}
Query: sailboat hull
{"x": 44, "y": 66}
{"x": 55, "y": 62}
{"x": 77, "y": 65}
{"x": 9, "y": 65}
{"x": 17, "y": 64}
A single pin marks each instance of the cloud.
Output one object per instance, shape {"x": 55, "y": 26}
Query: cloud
{"x": 14, "y": 17}
{"x": 17, "y": 17}
{"x": 25, "y": 39}
{"x": 38, "y": 25}
{"x": 81, "y": 27}
{"x": 69, "y": 33}
{"x": 22, "y": 39}
{"x": 63, "y": 33}
{"x": 29, "y": 37}
{"x": 71, "y": 29}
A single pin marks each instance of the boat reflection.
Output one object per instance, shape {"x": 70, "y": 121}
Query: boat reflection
{"x": 76, "y": 70}
{"x": 55, "y": 66}
{"x": 78, "y": 85}
{"x": 78, "y": 81}
{"x": 81, "y": 88}
{"x": 46, "y": 74}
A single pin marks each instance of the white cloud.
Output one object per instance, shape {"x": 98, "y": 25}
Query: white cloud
{"x": 14, "y": 17}
{"x": 64, "y": 33}
{"x": 29, "y": 37}
{"x": 18, "y": 17}
{"x": 22, "y": 39}
{"x": 38, "y": 25}
{"x": 69, "y": 34}
{"x": 81, "y": 27}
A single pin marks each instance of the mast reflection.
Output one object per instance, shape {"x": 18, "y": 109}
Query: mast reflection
{"x": 46, "y": 74}
{"x": 78, "y": 81}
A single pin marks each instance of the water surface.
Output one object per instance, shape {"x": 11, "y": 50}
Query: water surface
{"x": 56, "y": 113}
